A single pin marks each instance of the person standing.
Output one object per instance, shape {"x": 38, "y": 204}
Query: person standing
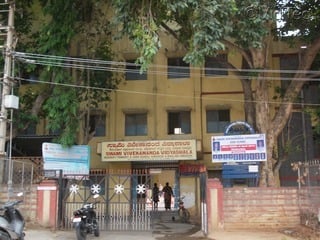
{"x": 155, "y": 196}
{"x": 168, "y": 193}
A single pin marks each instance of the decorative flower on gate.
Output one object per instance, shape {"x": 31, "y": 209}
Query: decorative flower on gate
{"x": 95, "y": 188}
{"x": 118, "y": 188}
{"x": 141, "y": 188}
{"x": 74, "y": 188}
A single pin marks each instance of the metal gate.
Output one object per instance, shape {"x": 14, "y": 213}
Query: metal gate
{"x": 122, "y": 204}
{"x": 18, "y": 175}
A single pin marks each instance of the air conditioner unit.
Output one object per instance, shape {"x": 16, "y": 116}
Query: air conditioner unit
{"x": 99, "y": 148}
{"x": 177, "y": 131}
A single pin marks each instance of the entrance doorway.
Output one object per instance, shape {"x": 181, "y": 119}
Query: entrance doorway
{"x": 161, "y": 177}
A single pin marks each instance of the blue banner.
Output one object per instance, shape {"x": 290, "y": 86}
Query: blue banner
{"x": 73, "y": 160}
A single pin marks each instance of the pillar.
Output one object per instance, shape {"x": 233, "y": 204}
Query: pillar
{"x": 214, "y": 204}
{"x": 47, "y": 207}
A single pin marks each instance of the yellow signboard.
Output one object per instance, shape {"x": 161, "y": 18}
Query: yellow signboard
{"x": 149, "y": 150}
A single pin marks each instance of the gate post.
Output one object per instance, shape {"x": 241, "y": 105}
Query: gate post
{"x": 215, "y": 204}
{"x": 47, "y": 196}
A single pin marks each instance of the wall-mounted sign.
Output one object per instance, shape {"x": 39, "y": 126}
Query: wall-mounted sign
{"x": 73, "y": 160}
{"x": 238, "y": 128}
{"x": 149, "y": 150}
{"x": 191, "y": 169}
{"x": 239, "y": 148}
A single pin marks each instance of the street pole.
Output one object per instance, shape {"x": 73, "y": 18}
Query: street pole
{"x": 6, "y": 86}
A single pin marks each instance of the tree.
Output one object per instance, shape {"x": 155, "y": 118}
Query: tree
{"x": 64, "y": 99}
{"x": 247, "y": 26}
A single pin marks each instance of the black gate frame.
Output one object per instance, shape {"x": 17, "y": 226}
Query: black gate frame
{"x": 124, "y": 187}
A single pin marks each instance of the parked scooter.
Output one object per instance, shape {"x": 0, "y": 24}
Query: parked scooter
{"x": 85, "y": 221}
{"x": 11, "y": 221}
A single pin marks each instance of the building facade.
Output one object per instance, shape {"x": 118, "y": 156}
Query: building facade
{"x": 161, "y": 121}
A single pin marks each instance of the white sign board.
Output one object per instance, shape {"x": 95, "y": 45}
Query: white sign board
{"x": 149, "y": 150}
{"x": 73, "y": 160}
{"x": 239, "y": 148}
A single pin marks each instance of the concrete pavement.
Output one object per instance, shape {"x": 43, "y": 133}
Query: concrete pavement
{"x": 249, "y": 235}
{"x": 161, "y": 231}
{"x": 45, "y": 234}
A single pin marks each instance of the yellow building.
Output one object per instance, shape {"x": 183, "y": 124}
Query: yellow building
{"x": 158, "y": 129}
{"x": 162, "y": 121}
{"x": 173, "y": 103}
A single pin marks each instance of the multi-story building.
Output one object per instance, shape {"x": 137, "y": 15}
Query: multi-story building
{"x": 161, "y": 121}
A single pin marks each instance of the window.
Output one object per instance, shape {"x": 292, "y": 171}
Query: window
{"x": 217, "y": 120}
{"x": 55, "y": 132}
{"x": 288, "y": 62}
{"x": 216, "y": 66}
{"x": 180, "y": 120}
{"x": 30, "y": 130}
{"x": 177, "y": 68}
{"x": 316, "y": 143}
{"x": 133, "y": 71}
{"x": 136, "y": 124}
{"x": 97, "y": 124}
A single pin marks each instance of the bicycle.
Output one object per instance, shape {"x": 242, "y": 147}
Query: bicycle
{"x": 183, "y": 213}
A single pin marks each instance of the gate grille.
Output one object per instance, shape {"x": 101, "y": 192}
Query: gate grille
{"x": 128, "y": 217}
{"x": 121, "y": 205}
{"x": 121, "y": 216}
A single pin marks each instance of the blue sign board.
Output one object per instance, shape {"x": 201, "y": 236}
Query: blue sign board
{"x": 73, "y": 160}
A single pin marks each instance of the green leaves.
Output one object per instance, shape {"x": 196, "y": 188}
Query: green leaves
{"x": 138, "y": 22}
{"x": 300, "y": 19}
{"x": 252, "y": 22}
{"x": 62, "y": 112}
{"x": 210, "y": 24}
{"x": 147, "y": 40}
{"x": 66, "y": 25}
{"x": 201, "y": 25}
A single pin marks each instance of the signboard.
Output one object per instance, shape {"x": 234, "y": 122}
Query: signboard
{"x": 239, "y": 148}
{"x": 191, "y": 169}
{"x": 239, "y": 128}
{"x": 149, "y": 150}
{"x": 73, "y": 160}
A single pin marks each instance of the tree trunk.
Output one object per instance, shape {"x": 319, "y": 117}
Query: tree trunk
{"x": 262, "y": 116}
{"x": 249, "y": 107}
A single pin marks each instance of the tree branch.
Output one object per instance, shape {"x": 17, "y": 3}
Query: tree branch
{"x": 295, "y": 86}
{"x": 244, "y": 54}
{"x": 173, "y": 33}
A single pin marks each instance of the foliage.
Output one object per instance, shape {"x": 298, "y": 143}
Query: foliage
{"x": 64, "y": 103}
{"x": 301, "y": 17}
{"x": 204, "y": 27}
{"x": 302, "y": 23}
{"x": 252, "y": 22}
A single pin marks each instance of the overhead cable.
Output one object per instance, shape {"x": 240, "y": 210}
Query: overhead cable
{"x": 127, "y": 67}
{"x": 158, "y": 94}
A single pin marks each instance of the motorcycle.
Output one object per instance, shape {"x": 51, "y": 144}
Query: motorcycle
{"x": 85, "y": 221}
{"x": 12, "y": 222}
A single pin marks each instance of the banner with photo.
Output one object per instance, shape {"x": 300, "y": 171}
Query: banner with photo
{"x": 239, "y": 148}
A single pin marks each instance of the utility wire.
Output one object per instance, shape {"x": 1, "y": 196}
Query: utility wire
{"x": 157, "y": 94}
{"x": 120, "y": 67}
{"x": 127, "y": 67}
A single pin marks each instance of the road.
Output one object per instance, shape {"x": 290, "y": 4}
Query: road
{"x": 162, "y": 231}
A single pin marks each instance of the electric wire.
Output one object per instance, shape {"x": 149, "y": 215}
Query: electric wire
{"x": 127, "y": 67}
{"x": 158, "y": 94}
{"x": 121, "y": 67}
